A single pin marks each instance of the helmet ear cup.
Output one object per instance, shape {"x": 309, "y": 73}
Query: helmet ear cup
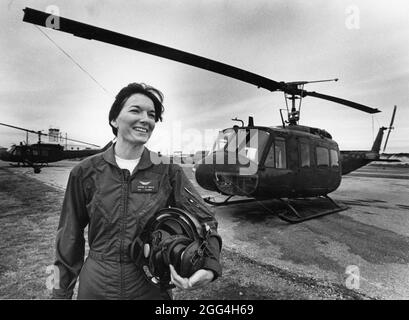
{"x": 155, "y": 259}
{"x": 166, "y": 254}
{"x": 191, "y": 261}
{"x": 175, "y": 251}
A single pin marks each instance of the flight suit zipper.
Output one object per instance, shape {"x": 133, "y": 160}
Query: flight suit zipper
{"x": 125, "y": 191}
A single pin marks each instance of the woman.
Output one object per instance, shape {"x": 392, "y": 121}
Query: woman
{"x": 106, "y": 192}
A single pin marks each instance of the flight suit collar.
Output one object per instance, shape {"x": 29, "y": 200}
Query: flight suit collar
{"x": 144, "y": 163}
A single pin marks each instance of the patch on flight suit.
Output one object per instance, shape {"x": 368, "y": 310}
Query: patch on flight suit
{"x": 145, "y": 186}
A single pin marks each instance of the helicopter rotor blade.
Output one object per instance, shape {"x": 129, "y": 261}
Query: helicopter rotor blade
{"x": 393, "y": 117}
{"x": 32, "y": 131}
{"x": 45, "y": 134}
{"x": 91, "y": 144}
{"x": 90, "y": 32}
{"x": 348, "y": 103}
{"x": 390, "y": 128}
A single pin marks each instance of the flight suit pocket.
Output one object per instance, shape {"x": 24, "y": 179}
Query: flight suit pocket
{"x": 155, "y": 201}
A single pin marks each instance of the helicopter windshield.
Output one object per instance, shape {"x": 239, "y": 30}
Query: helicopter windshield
{"x": 245, "y": 141}
{"x": 11, "y": 149}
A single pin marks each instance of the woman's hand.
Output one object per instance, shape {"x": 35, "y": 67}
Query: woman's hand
{"x": 199, "y": 279}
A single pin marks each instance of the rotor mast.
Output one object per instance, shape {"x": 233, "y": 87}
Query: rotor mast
{"x": 296, "y": 92}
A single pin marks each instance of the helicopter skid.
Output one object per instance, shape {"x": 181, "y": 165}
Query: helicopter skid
{"x": 36, "y": 167}
{"x": 226, "y": 201}
{"x": 319, "y": 204}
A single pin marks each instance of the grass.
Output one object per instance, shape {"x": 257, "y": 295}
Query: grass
{"x": 29, "y": 214}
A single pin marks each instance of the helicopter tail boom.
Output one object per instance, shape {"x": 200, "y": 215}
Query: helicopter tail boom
{"x": 353, "y": 160}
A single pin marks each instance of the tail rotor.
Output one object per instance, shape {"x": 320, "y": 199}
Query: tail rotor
{"x": 390, "y": 128}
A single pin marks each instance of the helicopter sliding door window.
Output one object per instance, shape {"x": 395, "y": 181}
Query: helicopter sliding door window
{"x": 276, "y": 157}
{"x": 269, "y": 162}
{"x": 334, "y": 158}
{"x": 322, "y": 157}
{"x": 280, "y": 154}
{"x": 305, "y": 155}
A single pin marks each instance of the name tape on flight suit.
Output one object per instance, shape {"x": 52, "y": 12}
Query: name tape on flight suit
{"x": 145, "y": 186}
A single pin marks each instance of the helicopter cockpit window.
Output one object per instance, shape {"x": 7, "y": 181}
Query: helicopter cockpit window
{"x": 305, "y": 155}
{"x": 222, "y": 140}
{"x": 276, "y": 157}
{"x": 254, "y": 143}
{"x": 11, "y": 149}
{"x": 269, "y": 162}
{"x": 334, "y": 158}
{"x": 248, "y": 142}
{"x": 322, "y": 157}
{"x": 15, "y": 151}
{"x": 280, "y": 155}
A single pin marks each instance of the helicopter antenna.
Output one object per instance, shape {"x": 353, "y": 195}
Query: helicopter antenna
{"x": 75, "y": 62}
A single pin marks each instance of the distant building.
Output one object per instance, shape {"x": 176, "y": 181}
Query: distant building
{"x": 54, "y": 136}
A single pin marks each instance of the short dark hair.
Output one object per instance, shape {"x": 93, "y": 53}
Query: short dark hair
{"x": 154, "y": 94}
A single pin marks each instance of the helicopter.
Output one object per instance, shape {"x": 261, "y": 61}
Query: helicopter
{"x": 40, "y": 154}
{"x": 289, "y": 162}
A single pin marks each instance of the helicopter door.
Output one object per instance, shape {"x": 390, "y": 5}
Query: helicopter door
{"x": 335, "y": 179}
{"x": 323, "y": 171}
{"x": 304, "y": 181}
{"x": 278, "y": 178}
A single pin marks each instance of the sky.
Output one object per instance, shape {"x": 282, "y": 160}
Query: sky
{"x": 363, "y": 43}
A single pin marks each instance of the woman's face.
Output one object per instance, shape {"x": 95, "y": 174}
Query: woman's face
{"x": 136, "y": 120}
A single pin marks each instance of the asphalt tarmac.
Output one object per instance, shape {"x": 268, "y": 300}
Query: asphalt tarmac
{"x": 364, "y": 248}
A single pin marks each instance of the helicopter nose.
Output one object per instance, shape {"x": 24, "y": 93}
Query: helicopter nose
{"x": 217, "y": 172}
{"x": 4, "y": 155}
{"x": 204, "y": 174}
